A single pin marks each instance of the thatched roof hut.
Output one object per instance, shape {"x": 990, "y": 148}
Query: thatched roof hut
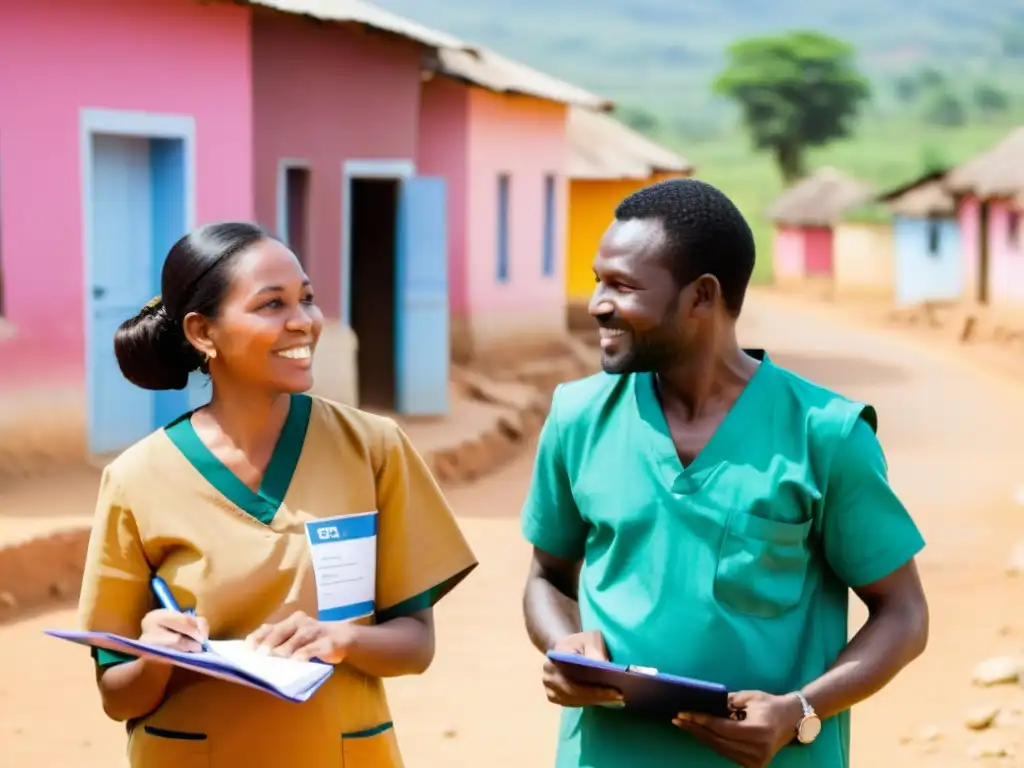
{"x": 922, "y": 197}
{"x": 602, "y": 148}
{"x": 820, "y": 200}
{"x": 997, "y": 172}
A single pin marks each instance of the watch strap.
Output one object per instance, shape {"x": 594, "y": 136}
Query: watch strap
{"x": 808, "y": 709}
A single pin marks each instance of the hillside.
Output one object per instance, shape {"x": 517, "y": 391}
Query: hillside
{"x": 662, "y": 54}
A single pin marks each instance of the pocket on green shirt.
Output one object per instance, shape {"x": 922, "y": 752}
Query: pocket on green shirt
{"x": 762, "y": 565}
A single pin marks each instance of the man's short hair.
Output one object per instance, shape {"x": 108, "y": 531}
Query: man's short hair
{"x": 706, "y": 234}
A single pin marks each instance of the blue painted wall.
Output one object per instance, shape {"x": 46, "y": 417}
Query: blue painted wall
{"x": 929, "y": 261}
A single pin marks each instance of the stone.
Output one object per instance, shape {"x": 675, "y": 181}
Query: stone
{"x": 980, "y": 718}
{"x": 1000, "y": 670}
{"x": 7, "y": 600}
{"x": 989, "y": 749}
{"x": 930, "y": 733}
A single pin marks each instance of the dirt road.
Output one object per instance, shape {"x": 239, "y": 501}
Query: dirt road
{"x": 952, "y": 435}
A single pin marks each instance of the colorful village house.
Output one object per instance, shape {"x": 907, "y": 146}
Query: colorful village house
{"x": 336, "y": 102}
{"x": 178, "y": 113}
{"x": 607, "y": 162}
{"x": 804, "y": 217}
{"x": 925, "y": 241}
{"x": 125, "y": 124}
{"x": 989, "y": 208}
{"x": 496, "y": 130}
{"x": 444, "y": 198}
{"x": 862, "y": 254}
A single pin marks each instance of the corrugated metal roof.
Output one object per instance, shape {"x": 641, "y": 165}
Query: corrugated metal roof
{"x": 361, "y": 12}
{"x": 600, "y": 147}
{"x": 819, "y": 200}
{"x": 490, "y": 70}
{"x": 997, "y": 172}
{"x": 455, "y": 58}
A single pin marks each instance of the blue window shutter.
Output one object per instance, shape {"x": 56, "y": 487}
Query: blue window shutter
{"x": 549, "y": 225}
{"x": 503, "y": 233}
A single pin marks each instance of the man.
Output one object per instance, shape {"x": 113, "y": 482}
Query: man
{"x": 700, "y": 510}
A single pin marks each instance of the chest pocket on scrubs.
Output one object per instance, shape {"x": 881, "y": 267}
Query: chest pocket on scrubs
{"x": 373, "y": 748}
{"x": 161, "y": 748}
{"x": 762, "y": 565}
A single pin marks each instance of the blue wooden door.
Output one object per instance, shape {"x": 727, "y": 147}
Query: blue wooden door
{"x": 170, "y": 221}
{"x": 122, "y": 282}
{"x": 929, "y": 264}
{"x": 421, "y": 328}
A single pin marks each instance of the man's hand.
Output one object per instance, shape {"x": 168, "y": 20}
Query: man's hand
{"x": 566, "y": 693}
{"x": 769, "y": 724}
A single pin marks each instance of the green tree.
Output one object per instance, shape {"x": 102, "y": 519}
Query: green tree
{"x": 990, "y": 100}
{"x": 906, "y": 88}
{"x": 637, "y": 119}
{"x": 942, "y": 107}
{"x": 795, "y": 91}
{"x": 1013, "y": 42}
{"x": 933, "y": 159}
{"x": 930, "y": 79}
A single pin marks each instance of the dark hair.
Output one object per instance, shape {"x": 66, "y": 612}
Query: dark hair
{"x": 707, "y": 234}
{"x": 151, "y": 347}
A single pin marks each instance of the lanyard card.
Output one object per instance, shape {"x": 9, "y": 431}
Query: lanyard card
{"x": 344, "y": 554}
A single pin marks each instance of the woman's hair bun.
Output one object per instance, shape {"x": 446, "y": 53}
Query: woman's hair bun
{"x": 152, "y": 350}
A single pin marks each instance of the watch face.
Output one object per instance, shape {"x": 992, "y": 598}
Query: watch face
{"x": 809, "y": 729}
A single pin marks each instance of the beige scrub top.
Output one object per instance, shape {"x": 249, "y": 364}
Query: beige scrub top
{"x": 241, "y": 558}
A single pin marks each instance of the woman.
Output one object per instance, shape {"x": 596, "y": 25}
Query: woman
{"x": 226, "y": 504}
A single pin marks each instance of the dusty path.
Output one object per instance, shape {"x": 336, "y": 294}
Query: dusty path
{"x": 953, "y": 440}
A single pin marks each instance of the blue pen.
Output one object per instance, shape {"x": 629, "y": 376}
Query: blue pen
{"x": 166, "y": 599}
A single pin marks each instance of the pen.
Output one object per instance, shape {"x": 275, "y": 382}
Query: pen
{"x": 166, "y": 599}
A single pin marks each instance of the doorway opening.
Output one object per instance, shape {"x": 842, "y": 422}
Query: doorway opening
{"x": 373, "y": 223}
{"x": 295, "y": 224}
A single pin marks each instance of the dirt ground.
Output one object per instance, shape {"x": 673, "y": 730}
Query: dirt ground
{"x": 952, "y": 435}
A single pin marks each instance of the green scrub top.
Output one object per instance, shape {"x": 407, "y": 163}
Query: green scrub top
{"x": 735, "y": 569}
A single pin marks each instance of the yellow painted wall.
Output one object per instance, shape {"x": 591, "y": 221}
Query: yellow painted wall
{"x": 591, "y": 209}
{"x": 862, "y": 260}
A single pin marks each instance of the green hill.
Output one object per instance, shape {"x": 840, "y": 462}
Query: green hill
{"x": 662, "y": 54}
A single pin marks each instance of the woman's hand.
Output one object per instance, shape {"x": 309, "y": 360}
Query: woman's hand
{"x": 302, "y": 638}
{"x": 174, "y": 630}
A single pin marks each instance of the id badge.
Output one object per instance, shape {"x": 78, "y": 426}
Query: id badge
{"x": 344, "y": 554}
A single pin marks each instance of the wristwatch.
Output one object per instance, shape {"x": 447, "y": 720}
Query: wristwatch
{"x": 809, "y": 727}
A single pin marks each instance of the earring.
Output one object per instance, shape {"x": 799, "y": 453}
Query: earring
{"x": 210, "y": 355}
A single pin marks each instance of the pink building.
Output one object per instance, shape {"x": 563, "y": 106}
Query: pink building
{"x": 430, "y": 219}
{"x": 335, "y": 112}
{"x": 409, "y": 172}
{"x": 122, "y": 124}
{"x": 496, "y": 131}
{"x": 804, "y": 217}
{"x": 991, "y": 192}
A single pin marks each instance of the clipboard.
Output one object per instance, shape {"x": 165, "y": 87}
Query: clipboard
{"x": 645, "y": 690}
{"x": 228, "y": 660}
